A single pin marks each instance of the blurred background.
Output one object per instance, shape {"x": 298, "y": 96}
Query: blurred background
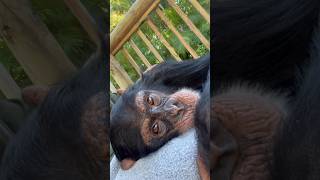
{"x": 41, "y": 44}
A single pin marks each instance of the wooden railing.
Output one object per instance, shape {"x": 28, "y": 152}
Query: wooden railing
{"x": 54, "y": 69}
{"x": 138, "y": 15}
{"x": 34, "y": 47}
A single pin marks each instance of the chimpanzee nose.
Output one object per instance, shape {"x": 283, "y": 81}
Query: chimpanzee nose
{"x": 173, "y": 107}
{"x": 157, "y": 110}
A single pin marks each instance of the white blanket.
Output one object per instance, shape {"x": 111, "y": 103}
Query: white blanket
{"x": 174, "y": 161}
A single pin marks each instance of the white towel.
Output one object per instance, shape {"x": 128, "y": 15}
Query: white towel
{"x": 174, "y": 161}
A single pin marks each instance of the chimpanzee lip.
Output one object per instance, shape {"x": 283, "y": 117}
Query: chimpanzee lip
{"x": 180, "y": 117}
{"x": 177, "y": 118}
{"x": 182, "y": 123}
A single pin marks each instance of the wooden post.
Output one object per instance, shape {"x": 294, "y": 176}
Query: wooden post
{"x": 139, "y": 53}
{"x": 176, "y": 32}
{"x": 131, "y": 61}
{"x": 149, "y": 45}
{"x": 32, "y": 43}
{"x": 201, "y": 10}
{"x": 7, "y": 85}
{"x": 131, "y": 22}
{"x": 189, "y": 23}
{"x": 162, "y": 39}
{"x": 119, "y": 74}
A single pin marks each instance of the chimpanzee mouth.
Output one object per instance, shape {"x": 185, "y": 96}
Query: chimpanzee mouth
{"x": 183, "y": 123}
{"x": 179, "y": 117}
{"x": 184, "y": 119}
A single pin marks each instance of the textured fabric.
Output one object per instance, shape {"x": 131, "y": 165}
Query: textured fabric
{"x": 174, "y": 161}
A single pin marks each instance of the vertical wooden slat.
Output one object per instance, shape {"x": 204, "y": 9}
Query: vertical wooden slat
{"x": 112, "y": 88}
{"x": 131, "y": 22}
{"x": 200, "y": 9}
{"x": 32, "y": 44}
{"x": 176, "y": 32}
{"x": 85, "y": 19}
{"x": 139, "y": 53}
{"x": 7, "y": 85}
{"x": 189, "y": 23}
{"x": 162, "y": 39}
{"x": 150, "y": 46}
{"x": 132, "y": 61}
{"x": 119, "y": 74}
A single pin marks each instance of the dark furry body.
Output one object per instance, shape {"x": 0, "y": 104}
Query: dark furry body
{"x": 275, "y": 44}
{"x": 55, "y": 141}
{"x": 167, "y": 78}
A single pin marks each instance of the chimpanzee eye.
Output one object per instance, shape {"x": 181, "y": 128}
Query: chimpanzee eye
{"x": 153, "y": 99}
{"x": 150, "y": 101}
{"x": 155, "y": 128}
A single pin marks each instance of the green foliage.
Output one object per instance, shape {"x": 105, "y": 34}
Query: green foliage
{"x": 118, "y": 10}
{"x": 10, "y": 63}
{"x": 120, "y": 7}
{"x": 65, "y": 28}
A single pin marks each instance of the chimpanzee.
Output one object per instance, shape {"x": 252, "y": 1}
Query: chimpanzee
{"x": 67, "y": 136}
{"x": 244, "y": 122}
{"x": 157, "y": 108}
{"x": 256, "y": 134}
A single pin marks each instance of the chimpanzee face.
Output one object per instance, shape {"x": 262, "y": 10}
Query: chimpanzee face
{"x": 164, "y": 115}
{"x": 153, "y": 118}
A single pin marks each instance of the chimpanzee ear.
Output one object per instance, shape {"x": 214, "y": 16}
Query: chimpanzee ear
{"x": 149, "y": 68}
{"x": 126, "y": 164}
{"x": 142, "y": 74}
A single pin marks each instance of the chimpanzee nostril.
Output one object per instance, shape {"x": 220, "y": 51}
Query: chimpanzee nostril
{"x": 176, "y": 104}
{"x": 173, "y": 107}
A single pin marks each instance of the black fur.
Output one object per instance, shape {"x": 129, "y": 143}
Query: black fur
{"x": 167, "y": 77}
{"x": 297, "y": 147}
{"x": 268, "y": 43}
{"x": 175, "y": 75}
{"x": 51, "y": 145}
{"x": 264, "y": 42}
{"x": 202, "y": 123}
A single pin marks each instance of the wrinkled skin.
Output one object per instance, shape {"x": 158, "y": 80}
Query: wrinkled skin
{"x": 159, "y": 118}
{"x": 244, "y": 124}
